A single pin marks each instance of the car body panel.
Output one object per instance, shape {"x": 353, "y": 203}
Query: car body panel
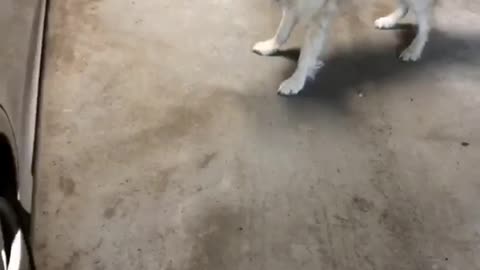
{"x": 21, "y": 28}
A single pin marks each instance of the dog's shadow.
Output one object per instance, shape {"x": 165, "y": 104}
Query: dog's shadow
{"x": 345, "y": 71}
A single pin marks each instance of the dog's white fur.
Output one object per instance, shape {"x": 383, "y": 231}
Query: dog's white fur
{"x": 318, "y": 15}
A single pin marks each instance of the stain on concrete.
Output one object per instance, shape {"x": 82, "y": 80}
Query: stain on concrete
{"x": 112, "y": 210}
{"x": 399, "y": 225}
{"x": 99, "y": 265}
{"x": 206, "y": 159}
{"x": 109, "y": 213}
{"x": 72, "y": 260}
{"x": 74, "y": 20}
{"x": 41, "y": 246}
{"x": 163, "y": 178}
{"x": 362, "y": 204}
{"x": 216, "y": 240}
{"x": 98, "y": 245}
{"x": 179, "y": 121}
{"x": 66, "y": 185}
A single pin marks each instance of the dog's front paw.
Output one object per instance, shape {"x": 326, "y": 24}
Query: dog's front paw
{"x": 291, "y": 86}
{"x": 265, "y": 48}
{"x": 385, "y": 22}
{"x": 410, "y": 54}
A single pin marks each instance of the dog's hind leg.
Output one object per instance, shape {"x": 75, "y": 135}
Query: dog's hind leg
{"x": 313, "y": 46}
{"x": 390, "y": 20}
{"x": 288, "y": 22}
{"x": 423, "y": 10}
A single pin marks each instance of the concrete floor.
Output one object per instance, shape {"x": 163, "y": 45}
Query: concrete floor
{"x": 165, "y": 146}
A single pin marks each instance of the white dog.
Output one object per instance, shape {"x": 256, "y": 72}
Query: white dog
{"x": 318, "y": 15}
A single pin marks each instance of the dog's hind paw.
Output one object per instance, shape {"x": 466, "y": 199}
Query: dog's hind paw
{"x": 291, "y": 86}
{"x": 385, "y": 22}
{"x": 410, "y": 54}
{"x": 265, "y": 48}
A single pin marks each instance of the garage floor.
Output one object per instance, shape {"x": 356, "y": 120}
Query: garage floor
{"x": 165, "y": 146}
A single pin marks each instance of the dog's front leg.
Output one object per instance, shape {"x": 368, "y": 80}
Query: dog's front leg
{"x": 390, "y": 20}
{"x": 271, "y": 46}
{"x": 312, "y": 48}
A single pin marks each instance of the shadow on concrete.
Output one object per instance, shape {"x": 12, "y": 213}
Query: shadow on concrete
{"x": 346, "y": 71}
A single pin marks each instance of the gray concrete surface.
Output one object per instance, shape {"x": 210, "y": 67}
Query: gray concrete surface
{"x": 165, "y": 146}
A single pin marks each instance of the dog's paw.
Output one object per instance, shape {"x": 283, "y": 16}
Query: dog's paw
{"x": 410, "y": 54}
{"x": 291, "y": 86}
{"x": 265, "y": 48}
{"x": 385, "y": 22}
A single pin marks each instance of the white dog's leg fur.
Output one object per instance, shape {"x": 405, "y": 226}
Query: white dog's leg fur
{"x": 312, "y": 48}
{"x": 422, "y": 11}
{"x": 271, "y": 46}
{"x": 392, "y": 19}
{"x": 318, "y": 14}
